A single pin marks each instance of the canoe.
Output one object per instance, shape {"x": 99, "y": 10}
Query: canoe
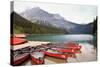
{"x": 17, "y": 41}
{"x": 18, "y": 57}
{"x": 37, "y": 57}
{"x": 73, "y": 45}
{"x": 56, "y": 54}
{"x": 65, "y": 50}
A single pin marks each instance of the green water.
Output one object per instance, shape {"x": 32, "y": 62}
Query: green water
{"x": 59, "y": 38}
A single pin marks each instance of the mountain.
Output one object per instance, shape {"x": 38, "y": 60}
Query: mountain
{"x": 84, "y": 29}
{"x": 55, "y": 20}
{"x": 22, "y": 25}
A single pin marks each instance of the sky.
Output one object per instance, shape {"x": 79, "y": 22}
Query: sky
{"x": 81, "y": 14}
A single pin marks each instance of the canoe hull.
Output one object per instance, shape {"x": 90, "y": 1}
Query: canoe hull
{"x": 18, "y": 61}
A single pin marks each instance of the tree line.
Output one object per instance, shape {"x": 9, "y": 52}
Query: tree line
{"x": 22, "y": 25}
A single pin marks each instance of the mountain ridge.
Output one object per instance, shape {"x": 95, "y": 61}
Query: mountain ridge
{"x": 39, "y": 14}
{"x": 22, "y": 25}
{"x": 55, "y": 20}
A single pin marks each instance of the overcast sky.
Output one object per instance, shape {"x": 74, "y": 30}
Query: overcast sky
{"x": 81, "y": 14}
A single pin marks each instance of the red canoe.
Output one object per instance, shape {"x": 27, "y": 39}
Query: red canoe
{"x": 17, "y": 41}
{"x": 37, "y": 57}
{"x": 20, "y": 59}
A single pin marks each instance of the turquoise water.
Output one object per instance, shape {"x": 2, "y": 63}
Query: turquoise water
{"x": 59, "y": 38}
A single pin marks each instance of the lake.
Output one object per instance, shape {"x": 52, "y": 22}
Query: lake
{"x": 59, "y": 38}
